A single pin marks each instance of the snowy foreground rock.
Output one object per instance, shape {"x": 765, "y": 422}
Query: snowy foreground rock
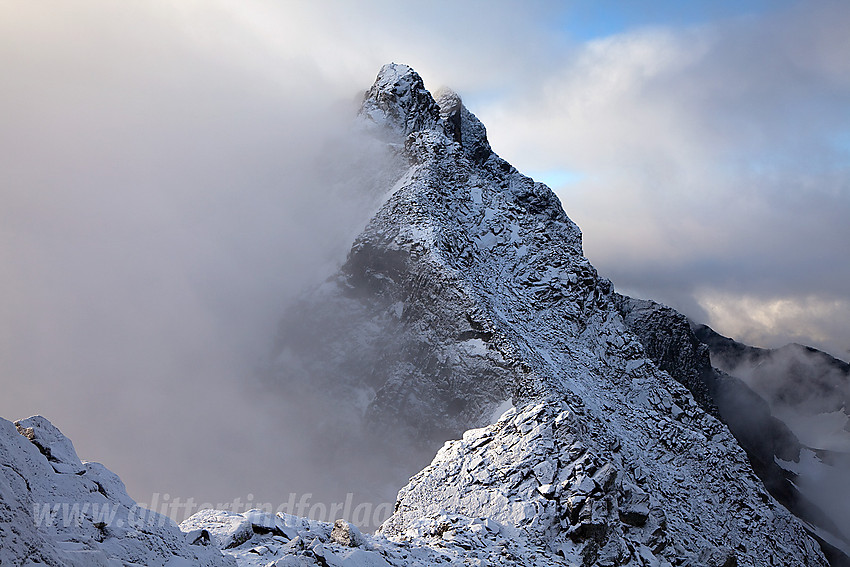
{"x": 524, "y": 491}
{"x": 57, "y": 510}
{"x": 467, "y": 292}
{"x": 529, "y": 490}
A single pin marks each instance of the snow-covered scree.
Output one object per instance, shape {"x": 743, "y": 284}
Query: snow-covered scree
{"x": 524, "y": 491}
{"x": 468, "y": 291}
{"x": 57, "y": 510}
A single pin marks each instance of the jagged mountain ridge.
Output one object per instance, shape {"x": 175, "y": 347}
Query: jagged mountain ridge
{"x": 481, "y": 276}
{"x": 667, "y": 337}
{"x": 469, "y": 287}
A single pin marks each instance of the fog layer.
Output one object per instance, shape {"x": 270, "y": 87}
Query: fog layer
{"x": 160, "y": 204}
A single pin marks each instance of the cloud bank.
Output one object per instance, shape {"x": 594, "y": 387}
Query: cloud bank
{"x": 161, "y": 202}
{"x": 711, "y": 167}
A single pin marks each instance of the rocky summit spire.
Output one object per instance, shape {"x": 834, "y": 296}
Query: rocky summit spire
{"x": 468, "y": 293}
{"x": 399, "y": 103}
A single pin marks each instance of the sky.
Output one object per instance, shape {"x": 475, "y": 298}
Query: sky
{"x": 164, "y": 186}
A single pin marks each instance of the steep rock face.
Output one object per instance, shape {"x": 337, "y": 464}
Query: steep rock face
{"x": 398, "y": 330}
{"x": 469, "y": 286}
{"x": 57, "y": 510}
{"x": 467, "y": 290}
{"x": 669, "y": 340}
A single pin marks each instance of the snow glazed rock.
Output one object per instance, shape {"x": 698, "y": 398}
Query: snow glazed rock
{"x": 592, "y": 506}
{"x": 469, "y": 287}
{"x": 529, "y": 490}
{"x": 399, "y": 102}
{"x": 345, "y": 533}
{"x": 57, "y": 510}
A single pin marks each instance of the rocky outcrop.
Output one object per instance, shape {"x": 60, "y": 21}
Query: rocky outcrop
{"x": 58, "y": 510}
{"x": 532, "y": 489}
{"x": 669, "y": 339}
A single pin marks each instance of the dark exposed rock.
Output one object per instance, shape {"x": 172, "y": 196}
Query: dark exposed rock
{"x": 668, "y": 340}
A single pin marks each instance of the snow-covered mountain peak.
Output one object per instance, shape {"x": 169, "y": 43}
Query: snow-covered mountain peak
{"x": 56, "y": 447}
{"x": 468, "y": 293}
{"x": 469, "y": 288}
{"x": 398, "y": 105}
{"x": 398, "y": 102}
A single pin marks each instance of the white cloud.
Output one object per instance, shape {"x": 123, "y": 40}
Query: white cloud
{"x": 771, "y": 322}
{"x": 708, "y": 156}
{"x": 160, "y": 200}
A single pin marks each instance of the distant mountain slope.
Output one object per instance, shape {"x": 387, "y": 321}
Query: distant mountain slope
{"x": 798, "y": 382}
